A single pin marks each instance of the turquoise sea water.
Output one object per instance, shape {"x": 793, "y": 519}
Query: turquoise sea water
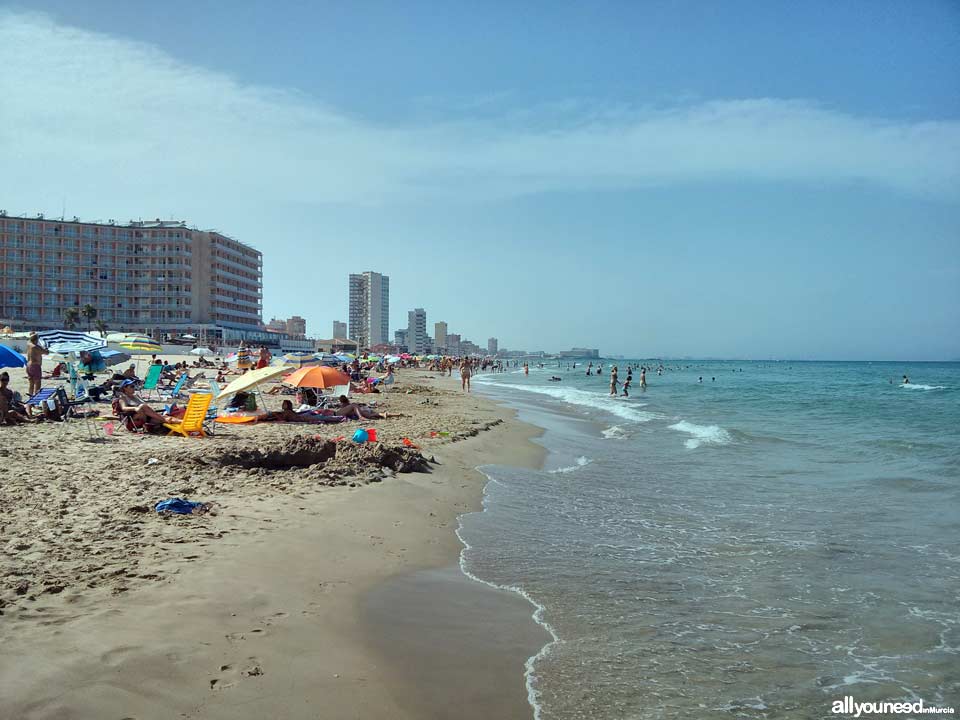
{"x": 757, "y": 545}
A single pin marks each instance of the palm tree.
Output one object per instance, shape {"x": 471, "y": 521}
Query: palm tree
{"x": 89, "y": 312}
{"x": 102, "y": 327}
{"x": 71, "y": 316}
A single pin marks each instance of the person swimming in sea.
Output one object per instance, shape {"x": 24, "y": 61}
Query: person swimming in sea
{"x": 906, "y": 380}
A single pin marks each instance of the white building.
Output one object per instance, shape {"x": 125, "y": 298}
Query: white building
{"x": 417, "y": 331}
{"x": 369, "y": 309}
{"x": 492, "y": 346}
{"x": 339, "y": 329}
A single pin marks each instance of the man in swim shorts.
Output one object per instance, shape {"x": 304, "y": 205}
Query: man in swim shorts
{"x": 35, "y": 355}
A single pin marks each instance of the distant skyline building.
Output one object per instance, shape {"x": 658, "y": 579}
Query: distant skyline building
{"x": 492, "y": 345}
{"x": 440, "y": 336}
{"x": 591, "y": 353}
{"x": 417, "y": 330}
{"x": 296, "y": 326}
{"x": 369, "y": 308}
{"x": 453, "y": 344}
{"x": 339, "y": 329}
{"x": 159, "y": 277}
{"x": 400, "y": 337}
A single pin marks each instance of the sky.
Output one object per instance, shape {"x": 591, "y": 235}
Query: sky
{"x": 653, "y": 179}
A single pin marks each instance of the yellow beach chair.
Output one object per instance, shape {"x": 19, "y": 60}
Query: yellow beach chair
{"x": 192, "y": 421}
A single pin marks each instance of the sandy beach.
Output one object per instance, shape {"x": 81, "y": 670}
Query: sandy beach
{"x": 324, "y": 591}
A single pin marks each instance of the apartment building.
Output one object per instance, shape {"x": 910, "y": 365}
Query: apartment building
{"x": 440, "y": 336}
{"x": 417, "y": 331}
{"x": 157, "y": 277}
{"x": 369, "y": 309}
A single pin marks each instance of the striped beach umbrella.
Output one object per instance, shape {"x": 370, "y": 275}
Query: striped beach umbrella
{"x": 299, "y": 360}
{"x": 141, "y": 347}
{"x": 67, "y": 341}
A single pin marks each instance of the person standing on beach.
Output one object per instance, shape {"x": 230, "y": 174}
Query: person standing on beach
{"x": 35, "y": 355}
{"x": 466, "y": 370}
{"x": 264, "y": 359}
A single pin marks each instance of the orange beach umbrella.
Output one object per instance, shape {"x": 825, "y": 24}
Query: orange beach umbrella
{"x": 319, "y": 376}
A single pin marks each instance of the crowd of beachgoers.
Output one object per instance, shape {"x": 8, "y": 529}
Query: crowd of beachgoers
{"x": 108, "y": 463}
{"x": 152, "y": 395}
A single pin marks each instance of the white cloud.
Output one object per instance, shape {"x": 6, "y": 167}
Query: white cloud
{"x": 86, "y": 112}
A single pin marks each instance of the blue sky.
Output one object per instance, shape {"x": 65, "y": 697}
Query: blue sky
{"x": 688, "y": 178}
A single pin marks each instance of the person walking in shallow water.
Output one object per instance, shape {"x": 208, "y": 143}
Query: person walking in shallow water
{"x": 613, "y": 380}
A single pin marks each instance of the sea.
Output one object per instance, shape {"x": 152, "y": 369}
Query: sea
{"x": 740, "y": 540}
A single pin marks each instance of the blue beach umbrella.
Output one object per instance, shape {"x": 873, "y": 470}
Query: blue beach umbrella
{"x": 11, "y": 358}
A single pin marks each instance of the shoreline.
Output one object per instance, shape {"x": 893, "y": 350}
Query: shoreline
{"x": 246, "y": 633}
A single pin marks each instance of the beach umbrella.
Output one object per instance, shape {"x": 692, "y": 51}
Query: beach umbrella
{"x": 113, "y": 357}
{"x": 299, "y": 360}
{"x": 128, "y": 337}
{"x": 140, "y": 346}
{"x": 11, "y": 358}
{"x": 317, "y": 377}
{"x": 67, "y": 341}
{"x": 201, "y": 351}
{"x": 392, "y": 359}
{"x": 343, "y": 357}
{"x": 405, "y": 356}
{"x": 189, "y": 337}
{"x": 251, "y": 379}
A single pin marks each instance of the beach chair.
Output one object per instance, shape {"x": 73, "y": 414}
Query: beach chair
{"x": 175, "y": 391}
{"x": 193, "y": 418}
{"x": 212, "y": 411}
{"x": 81, "y": 399}
{"x": 41, "y": 396}
{"x": 151, "y": 380}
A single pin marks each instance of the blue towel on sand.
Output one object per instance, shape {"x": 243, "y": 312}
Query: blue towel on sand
{"x": 177, "y": 505}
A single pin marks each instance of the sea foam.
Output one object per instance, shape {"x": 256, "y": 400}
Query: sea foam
{"x": 583, "y": 398}
{"x": 702, "y": 434}
{"x": 913, "y": 386}
{"x": 582, "y": 461}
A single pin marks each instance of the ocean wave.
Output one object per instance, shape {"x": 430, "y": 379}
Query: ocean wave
{"x": 914, "y": 386}
{"x": 614, "y": 433}
{"x": 582, "y": 461}
{"x": 702, "y": 434}
{"x": 574, "y": 396}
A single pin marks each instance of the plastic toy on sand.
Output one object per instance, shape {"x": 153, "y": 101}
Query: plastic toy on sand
{"x": 360, "y": 436}
{"x": 371, "y": 434}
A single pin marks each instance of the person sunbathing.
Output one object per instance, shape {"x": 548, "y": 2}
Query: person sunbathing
{"x": 133, "y": 405}
{"x": 9, "y": 413}
{"x": 288, "y": 414}
{"x": 356, "y": 411}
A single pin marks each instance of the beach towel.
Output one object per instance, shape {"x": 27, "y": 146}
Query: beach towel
{"x": 177, "y": 505}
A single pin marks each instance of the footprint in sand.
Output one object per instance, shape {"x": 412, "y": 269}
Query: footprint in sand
{"x": 230, "y": 674}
